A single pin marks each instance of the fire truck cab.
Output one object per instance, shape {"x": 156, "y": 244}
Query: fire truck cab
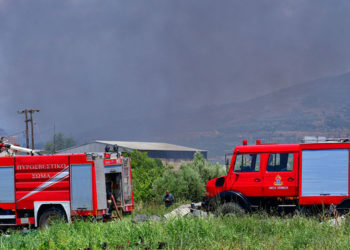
{"x": 34, "y": 189}
{"x": 289, "y": 176}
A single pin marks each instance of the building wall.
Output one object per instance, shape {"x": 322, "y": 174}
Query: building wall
{"x": 175, "y": 155}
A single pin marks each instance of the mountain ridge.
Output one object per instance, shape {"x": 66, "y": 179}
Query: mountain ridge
{"x": 318, "y": 107}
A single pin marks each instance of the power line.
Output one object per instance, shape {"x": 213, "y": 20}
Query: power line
{"x": 16, "y": 133}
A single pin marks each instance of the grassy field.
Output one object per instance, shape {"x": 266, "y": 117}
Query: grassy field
{"x": 254, "y": 232}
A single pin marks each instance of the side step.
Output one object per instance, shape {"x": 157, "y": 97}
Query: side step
{"x": 7, "y": 217}
{"x": 7, "y": 220}
{"x": 287, "y": 205}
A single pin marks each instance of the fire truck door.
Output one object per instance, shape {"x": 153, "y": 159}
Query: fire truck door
{"x": 280, "y": 175}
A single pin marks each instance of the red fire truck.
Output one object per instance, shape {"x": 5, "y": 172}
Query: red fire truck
{"x": 284, "y": 176}
{"x": 33, "y": 189}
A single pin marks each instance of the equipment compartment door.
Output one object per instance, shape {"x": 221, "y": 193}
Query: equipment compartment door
{"x": 325, "y": 172}
{"x": 7, "y": 186}
{"x": 126, "y": 182}
{"x": 81, "y": 187}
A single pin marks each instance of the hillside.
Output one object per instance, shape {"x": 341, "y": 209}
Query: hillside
{"x": 320, "y": 107}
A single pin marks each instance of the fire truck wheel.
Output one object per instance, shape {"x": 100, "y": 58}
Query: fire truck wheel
{"x": 230, "y": 208}
{"x": 48, "y": 216}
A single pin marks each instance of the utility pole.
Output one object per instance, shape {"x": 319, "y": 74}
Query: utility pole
{"x": 25, "y": 112}
{"x": 32, "y": 124}
{"x": 54, "y": 138}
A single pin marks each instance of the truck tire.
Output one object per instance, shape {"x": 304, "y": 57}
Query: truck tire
{"x": 49, "y": 215}
{"x": 229, "y": 209}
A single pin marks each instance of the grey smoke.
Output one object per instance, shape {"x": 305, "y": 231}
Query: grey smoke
{"x": 86, "y": 64}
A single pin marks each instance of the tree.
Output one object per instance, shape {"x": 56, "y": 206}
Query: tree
{"x": 60, "y": 142}
{"x": 188, "y": 183}
{"x": 184, "y": 184}
{"x": 145, "y": 171}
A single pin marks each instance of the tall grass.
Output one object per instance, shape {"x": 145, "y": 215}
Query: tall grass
{"x": 253, "y": 231}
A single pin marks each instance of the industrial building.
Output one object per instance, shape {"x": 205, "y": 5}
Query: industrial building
{"x": 169, "y": 154}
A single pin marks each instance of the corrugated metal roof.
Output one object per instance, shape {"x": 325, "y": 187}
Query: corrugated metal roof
{"x": 150, "y": 146}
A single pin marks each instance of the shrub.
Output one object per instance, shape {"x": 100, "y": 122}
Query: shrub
{"x": 188, "y": 183}
{"x": 144, "y": 172}
{"x": 184, "y": 184}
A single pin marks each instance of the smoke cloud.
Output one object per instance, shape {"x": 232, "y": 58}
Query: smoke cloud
{"x": 88, "y": 64}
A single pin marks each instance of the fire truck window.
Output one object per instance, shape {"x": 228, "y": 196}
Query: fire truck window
{"x": 247, "y": 163}
{"x": 280, "y": 163}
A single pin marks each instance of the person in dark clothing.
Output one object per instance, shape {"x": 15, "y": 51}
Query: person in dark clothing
{"x": 168, "y": 199}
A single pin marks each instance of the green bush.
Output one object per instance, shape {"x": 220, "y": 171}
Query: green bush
{"x": 184, "y": 184}
{"x": 187, "y": 183}
{"x": 144, "y": 172}
{"x": 151, "y": 178}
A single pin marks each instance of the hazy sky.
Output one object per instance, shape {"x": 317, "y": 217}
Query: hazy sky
{"x": 86, "y": 63}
